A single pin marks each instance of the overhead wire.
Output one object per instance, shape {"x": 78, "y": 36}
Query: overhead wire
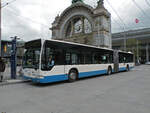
{"x": 27, "y": 19}
{"x": 44, "y": 33}
{"x": 117, "y": 23}
{"x": 147, "y": 3}
{"x": 124, "y": 25}
{"x": 138, "y": 6}
{"x": 7, "y": 3}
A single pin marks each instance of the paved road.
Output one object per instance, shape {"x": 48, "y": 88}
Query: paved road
{"x": 127, "y": 92}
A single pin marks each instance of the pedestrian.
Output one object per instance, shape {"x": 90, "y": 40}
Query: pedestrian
{"x": 2, "y": 69}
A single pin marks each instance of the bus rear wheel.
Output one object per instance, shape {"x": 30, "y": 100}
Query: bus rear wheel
{"x": 72, "y": 76}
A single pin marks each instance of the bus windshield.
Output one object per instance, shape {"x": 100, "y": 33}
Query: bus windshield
{"x": 31, "y": 58}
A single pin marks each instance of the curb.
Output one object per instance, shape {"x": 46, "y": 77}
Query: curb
{"x": 8, "y": 82}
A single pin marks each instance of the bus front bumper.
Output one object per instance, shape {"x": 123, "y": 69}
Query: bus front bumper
{"x": 47, "y": 79}
{"x": 34, "y": 79}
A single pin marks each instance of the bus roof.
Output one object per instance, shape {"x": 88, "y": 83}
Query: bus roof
{"x": 72, "y": 43}
{"x": 78, "y": 44}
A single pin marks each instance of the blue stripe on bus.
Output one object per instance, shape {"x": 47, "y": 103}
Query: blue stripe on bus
{"x": 56, "y": 78}
{"x": 122, "y": 69}
{"x": 62, "y": 77}
{"x": 92, "y": 73}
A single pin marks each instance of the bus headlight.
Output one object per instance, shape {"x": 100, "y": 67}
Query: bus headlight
{"x": 40, "y": 76}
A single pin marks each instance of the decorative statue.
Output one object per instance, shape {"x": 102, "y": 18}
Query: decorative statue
{"x": 75, "y": 1}
{"x": 100, "y": 2}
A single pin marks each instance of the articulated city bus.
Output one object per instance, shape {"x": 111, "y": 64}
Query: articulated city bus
{"x": 47, "y": 61}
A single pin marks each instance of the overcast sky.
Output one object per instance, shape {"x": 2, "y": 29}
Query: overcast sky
{"x": 31, "y": 19}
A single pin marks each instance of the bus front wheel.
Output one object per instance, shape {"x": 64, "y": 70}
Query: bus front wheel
{"x": 72, "y": 76}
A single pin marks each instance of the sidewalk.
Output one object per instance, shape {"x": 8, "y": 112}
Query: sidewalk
{"x": 7, "y": 77}
{"x": 13, "y": 81}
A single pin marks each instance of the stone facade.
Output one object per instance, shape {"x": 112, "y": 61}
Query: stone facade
{"x": 84, "y": 24}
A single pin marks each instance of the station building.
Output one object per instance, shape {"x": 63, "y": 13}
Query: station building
{"x": 136, "y": 41}
{"x": 84, "y": 24}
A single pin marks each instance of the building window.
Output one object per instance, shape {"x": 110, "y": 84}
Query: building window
{"x": 78, "y": 25}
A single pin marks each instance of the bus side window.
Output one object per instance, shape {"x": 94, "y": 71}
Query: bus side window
{"x": 124, "y": 59}
{"x": 68, "y": 58}
{"x": 87, "y": 59}
{"x": 120, "y": 58}
{"x": 106, "y": 59}
{"x": 59, "y": 57}
{"x": 81, "y": 58}
{"x": 96, "y": 58}
{"x": 74, "y": 59}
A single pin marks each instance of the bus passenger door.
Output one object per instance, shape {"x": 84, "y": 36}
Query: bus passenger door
{"x": 67, "y": 61}
{"x": 70, "y": 60}
{"x": 116, "y": 61}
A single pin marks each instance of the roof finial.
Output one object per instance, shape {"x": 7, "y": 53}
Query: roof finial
{"x": 75, "y": 1}
{"x": 100, "y": 3}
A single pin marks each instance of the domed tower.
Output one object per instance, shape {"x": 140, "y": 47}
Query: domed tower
{"x": 82, "y": 23}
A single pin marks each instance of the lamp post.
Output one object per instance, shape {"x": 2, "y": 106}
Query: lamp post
{"x": 13, "y": 57}
{"x": 0, "y": 31}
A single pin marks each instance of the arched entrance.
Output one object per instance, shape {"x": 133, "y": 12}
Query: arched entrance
{"x": 78, "y": 25}
{"x": 83, "y": 24}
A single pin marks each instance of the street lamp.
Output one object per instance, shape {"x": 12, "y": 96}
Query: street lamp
{"x": 0, "y": 32}
{"x": 13, "y": 57}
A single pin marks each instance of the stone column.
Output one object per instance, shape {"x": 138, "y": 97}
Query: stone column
{"x": 137, "y": 48}
{"x": 72, "y": 27}
{"x": 147, "y": 52}
{"x": 82, "y": 19}
{"x": 100, "y": 42}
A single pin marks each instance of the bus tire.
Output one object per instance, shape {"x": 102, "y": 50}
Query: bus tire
{"x": 109, "y": 70}
{"x": 72, "y": 76}
{"x": 127, "y": 68}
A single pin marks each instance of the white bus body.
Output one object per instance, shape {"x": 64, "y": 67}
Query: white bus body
{"x": 64, "y": 68}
